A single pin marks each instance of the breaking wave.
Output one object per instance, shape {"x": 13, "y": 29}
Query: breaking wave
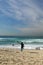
{"x": 19, "y": 40}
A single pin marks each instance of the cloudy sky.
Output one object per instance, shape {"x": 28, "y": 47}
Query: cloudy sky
{"x": 21, "y": 17}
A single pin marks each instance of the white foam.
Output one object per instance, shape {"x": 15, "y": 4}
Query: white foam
{"x": 32, "y": 40}
{"x": 19, "y": 46}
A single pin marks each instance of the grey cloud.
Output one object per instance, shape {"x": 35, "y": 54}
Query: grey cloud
{"x": 22, "y": 10}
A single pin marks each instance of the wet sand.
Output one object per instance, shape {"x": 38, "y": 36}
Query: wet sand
{"x": 10, "y": 56}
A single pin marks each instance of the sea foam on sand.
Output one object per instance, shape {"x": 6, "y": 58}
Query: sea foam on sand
{"x": 25, "y": 46}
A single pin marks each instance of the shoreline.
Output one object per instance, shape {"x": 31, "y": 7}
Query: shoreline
{"x": 17, "y": 47}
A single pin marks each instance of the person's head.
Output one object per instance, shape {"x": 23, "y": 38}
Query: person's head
{"x": 21, "y": 42}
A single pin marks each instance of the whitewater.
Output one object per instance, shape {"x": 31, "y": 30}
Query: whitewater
{"x": 29, "y": 43}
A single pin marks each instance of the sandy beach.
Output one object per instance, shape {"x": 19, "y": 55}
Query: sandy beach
{"x": 10, "y": 56}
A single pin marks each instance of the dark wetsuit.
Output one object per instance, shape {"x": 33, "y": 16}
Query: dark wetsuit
{"x": 22, "y": 46}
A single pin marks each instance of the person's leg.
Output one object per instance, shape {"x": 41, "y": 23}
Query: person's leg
{"x": 21, "y": 49}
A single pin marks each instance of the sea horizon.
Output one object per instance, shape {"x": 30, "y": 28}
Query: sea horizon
{"x": 4, "y": 36}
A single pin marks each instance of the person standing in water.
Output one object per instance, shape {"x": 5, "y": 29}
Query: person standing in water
{"x": 22, "y": 46}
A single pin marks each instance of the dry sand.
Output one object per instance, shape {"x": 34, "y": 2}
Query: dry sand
{"x": 16, "y": 57}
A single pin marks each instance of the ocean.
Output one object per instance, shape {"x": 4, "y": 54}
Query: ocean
{"x": 15, "y": 42}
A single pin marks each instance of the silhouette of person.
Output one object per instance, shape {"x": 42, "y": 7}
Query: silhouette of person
{"x": 22, "y": 46}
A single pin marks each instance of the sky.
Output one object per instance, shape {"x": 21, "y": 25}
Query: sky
{"x": 21, "y": 17}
